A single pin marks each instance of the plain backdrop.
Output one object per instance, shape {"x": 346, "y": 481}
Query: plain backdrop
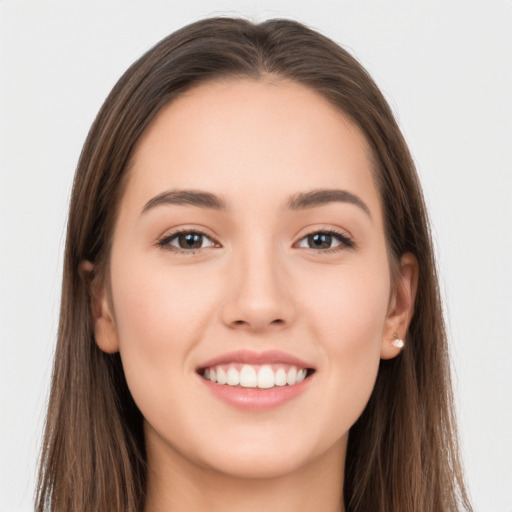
{"x": 444, "y": 66}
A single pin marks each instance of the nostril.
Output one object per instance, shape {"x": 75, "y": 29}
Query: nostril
{"x": 257, "y": 323}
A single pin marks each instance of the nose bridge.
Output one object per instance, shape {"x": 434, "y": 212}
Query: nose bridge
{"x": 258, "y": 295}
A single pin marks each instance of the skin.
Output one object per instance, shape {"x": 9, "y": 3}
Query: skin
{"x": 255, "y": 284}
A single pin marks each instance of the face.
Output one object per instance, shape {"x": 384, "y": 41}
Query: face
{"x": 250, "y": 298}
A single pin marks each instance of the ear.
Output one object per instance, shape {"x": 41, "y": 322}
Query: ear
{"x": 401, "y": 306}
{"x": 105, "y": 333}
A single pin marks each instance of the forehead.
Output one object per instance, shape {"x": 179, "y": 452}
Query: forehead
{"x": 265, "y": 138}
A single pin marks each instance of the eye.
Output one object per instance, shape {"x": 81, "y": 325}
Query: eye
{"x": 325, "y": 240}
{"x": 186, "y": 241}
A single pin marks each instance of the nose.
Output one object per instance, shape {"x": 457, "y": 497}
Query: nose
{"x": 258, "y": 293}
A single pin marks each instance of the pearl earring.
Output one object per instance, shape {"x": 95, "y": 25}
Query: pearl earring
{"x": 397, "y": 342}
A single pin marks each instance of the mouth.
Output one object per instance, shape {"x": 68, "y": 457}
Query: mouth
{"x": 256, "y": 380}
{"x": 256, "y": 376}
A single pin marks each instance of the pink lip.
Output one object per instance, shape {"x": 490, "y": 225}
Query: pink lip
{"x": 255, "y": 399}
{"x": 250, "y": 357}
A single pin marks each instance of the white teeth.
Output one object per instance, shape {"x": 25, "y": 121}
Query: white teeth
{"x": 221, "y": 376}
{"x": 233, "y": 377}
{"x": 280, "y": 377}
{"x": 263, "y": 377}
{"x": 291, "y": 376}
{"x": 248, "y": 377}
{"x": 301, "y": 375}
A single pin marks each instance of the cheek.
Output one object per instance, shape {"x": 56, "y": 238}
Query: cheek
{"x": 348, "y": 305}
{"x": 348, "y": 320}
{"x": 160, "y": 317}
{"x": 159, "y": 308}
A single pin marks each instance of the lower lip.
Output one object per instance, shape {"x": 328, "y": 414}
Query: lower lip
{"x": 256, "y": 399}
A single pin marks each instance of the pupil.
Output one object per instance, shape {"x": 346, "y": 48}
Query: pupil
{"x": 190, "y": 241}
{"x": 320, "y": 240}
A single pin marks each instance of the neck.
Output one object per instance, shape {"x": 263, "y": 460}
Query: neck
{"x": 175, "y": 484}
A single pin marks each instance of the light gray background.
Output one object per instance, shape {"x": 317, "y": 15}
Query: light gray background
{"x": 445, "y": 67}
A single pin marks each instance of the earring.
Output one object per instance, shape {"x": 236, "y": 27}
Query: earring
{"x": 397, "y": 342}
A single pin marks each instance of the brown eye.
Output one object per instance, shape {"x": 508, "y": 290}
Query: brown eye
{"x": 320, "y": 241}
{"x": 323, "y": 240}
{"x": 186, "y": 241}
{"x": 190, "y": 240}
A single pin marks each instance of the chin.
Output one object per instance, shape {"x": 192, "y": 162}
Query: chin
{"x": 260, "y": 457}
{"x": 256, "y": 466}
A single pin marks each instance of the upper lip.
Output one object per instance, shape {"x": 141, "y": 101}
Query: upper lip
{"x": 251, "y": 357}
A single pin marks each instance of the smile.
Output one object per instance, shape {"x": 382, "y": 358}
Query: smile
{"x": 264, "y": 376}
{"x": 256, "y": 381}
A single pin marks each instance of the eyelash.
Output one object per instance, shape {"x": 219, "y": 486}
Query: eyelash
{"x": 164, "y": 242}
{"x": 345, "y": 241}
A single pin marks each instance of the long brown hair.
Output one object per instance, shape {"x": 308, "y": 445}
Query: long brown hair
{"x": 403, "y": 451}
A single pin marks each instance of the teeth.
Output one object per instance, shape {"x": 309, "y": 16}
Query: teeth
{"x": 221, "y": 376}
{"x": 247, "y": 376}
{"x": 266, "y": 377}
{"x": 233, "y": 377}
{"x": 280, "y": 377}
{"x": 291, "y": 376}
{"x": 301, "y": 375}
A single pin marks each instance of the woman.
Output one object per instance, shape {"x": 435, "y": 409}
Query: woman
{"x": 250, "y": 310}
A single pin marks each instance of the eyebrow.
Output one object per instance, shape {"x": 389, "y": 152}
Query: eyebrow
{"x": 187, "y": 197}
{"x": 300, "y": 201}
{"x": 314, "y": 198}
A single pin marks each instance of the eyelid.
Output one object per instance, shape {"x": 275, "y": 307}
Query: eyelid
{"x": 163, "y": 241}
{"x": 346, "y": 240}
